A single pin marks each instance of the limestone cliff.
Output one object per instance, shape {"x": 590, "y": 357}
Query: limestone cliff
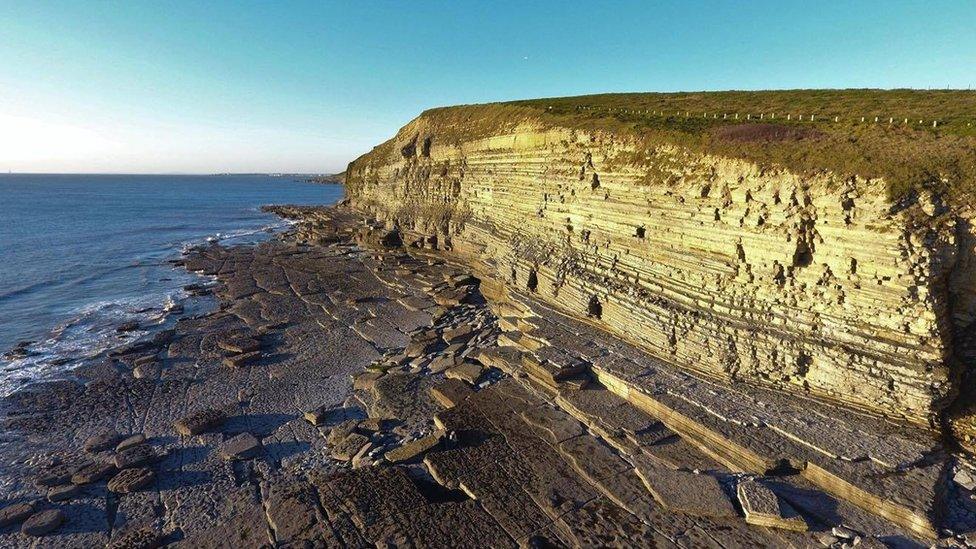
{"x": 812, "y": 283}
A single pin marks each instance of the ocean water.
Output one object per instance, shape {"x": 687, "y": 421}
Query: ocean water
{"x": 80, "y": 254}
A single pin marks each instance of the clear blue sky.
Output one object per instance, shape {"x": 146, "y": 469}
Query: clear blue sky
{"x": 307, "y": 86}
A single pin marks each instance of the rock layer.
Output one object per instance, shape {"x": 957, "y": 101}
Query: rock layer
{"x": 814, "y": 284}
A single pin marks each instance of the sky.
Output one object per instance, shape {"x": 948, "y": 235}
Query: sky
{"x": 305, "y": 87}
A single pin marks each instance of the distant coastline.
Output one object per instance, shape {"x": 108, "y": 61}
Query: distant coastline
{"x": 326, "y": 178}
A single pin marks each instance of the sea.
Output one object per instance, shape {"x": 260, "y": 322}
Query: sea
{"x": 82, "y": 254}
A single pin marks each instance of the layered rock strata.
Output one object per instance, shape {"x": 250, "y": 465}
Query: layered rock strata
{"x": 816, "y": 285}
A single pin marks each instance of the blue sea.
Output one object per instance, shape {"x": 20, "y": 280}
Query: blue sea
{"x": 79, "y": 254}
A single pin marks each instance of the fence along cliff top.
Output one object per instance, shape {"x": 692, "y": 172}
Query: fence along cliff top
{"x": 806, "y": 130}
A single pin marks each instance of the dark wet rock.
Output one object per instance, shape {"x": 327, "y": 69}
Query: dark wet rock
{"x": 130, "y": 441}
{"x": 141, "y": 538}
{"x": 131, "y": 348}
{"x": 64, "y": 492}
{"x": 43, "y": 523}
{"x": 130, "y": 326}
{"x": 16, "y": 512}
{"x": 199, "y": 422}
{"x": 102, "y": 441}
{"x": 242, "y": 446}
{"x": 130, "y": 480}
{"x": 93, "y": 472}
{"x": 136, "y": 456}
{"x": 165, "y": 336}
{"x": 197, "y": 289}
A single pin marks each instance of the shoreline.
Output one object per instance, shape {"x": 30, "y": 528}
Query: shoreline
{"x": 347, "y": 390}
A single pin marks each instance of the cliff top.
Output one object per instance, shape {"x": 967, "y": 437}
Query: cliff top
{"x": 910, "y": 138}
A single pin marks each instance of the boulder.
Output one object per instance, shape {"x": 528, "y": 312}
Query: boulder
{"x": 131, "y": 480}
{"x": 136, "y": 456}
{"x": 242, "y": 446}
{"x": 199, "y": 422}
{"x": 104, "y": 440}
{"x": 93, "y": 472}
{"x": 16, "y": 512}
{"x": 43, "y": 523}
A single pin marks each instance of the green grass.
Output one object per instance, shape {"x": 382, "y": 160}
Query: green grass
{"x": 907, "y": 156}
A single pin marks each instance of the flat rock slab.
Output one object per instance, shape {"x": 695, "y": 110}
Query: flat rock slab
{"x": 12, "y": 514}
{"x": 93, "y": 472}
{"x": 140, "y": 538}
{"x": 239, "y": 344}
{"x": 199, "y": 422}
{"x": 55, "y": 475}
{"x": 450, "y": 392}
{"x": 131, "y": 441}
{"x": 461, "y": 334}
{"x": 689, "y": 493}
{"x": 136, "y": 456}
{"x": 43, "y": 523}
{"x": 557, "y": 425}
{"x": 64, "y": 492}
{"x": 763, "y": 507}
{"x": 242, "y": 446}
{"x": 466, "y": 371}
{"x": 130, "y": 480}
{"x": 349, "y": 446}
{"x": 414, "y": 449}
{"x": 443, "y": 362}
{"x": 101, "y": 441}
{"x": 654, "y": 434}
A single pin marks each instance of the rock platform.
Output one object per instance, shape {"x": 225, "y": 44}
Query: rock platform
{"x": 390, "y": 403}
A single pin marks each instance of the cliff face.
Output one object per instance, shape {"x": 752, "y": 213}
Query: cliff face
{"x": 813, "y": 284}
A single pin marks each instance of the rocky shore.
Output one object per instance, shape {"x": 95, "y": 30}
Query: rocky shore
{"x": 355, "y": 388}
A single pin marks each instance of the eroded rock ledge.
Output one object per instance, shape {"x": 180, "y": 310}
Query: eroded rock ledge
{"x": 814, "y": 285}
{"x": 390, "y": 404}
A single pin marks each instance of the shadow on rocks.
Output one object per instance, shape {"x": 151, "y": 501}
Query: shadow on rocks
{"x": 259, "y": 425}
{"x": 173, "y": 480}
{"x": 283, "y": 450}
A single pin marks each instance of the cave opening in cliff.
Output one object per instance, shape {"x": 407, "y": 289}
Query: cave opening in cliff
{"x": 594, "y": 309}
{"x": 533, "y": 281}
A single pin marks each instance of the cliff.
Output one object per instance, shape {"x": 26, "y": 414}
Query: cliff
{"x": 718, "y": 247}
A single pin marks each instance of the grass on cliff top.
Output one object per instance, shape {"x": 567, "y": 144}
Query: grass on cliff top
{"x": 769, "y": 129}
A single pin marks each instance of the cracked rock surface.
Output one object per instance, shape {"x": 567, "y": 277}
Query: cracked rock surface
{"x": 349, "y": 428}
